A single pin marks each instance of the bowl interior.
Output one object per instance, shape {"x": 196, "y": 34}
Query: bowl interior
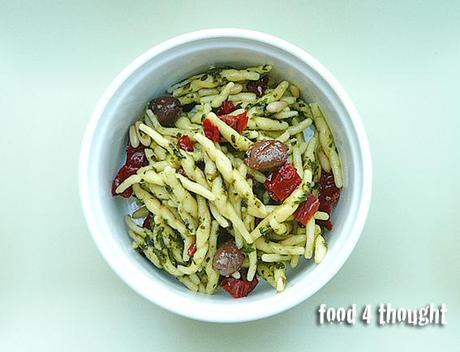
{"x": 151, "y": 76}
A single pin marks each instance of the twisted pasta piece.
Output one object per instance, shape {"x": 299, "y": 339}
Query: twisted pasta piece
{"x": 304, "y": 124}
{"x": 227, "y": 210}
{"x": 267, "y": 124}
{"x": 202, "y": 234}
{"x": 239, "y": 75}
{"x": 327, "y": 144}
{"x": 281, "y": 212}
{"x": 277, "y": 248}
{"x": 184, "y": 198}
{"x": 224, "y": 165}
{"x": 155, "y": 207}
{"x": 223, "y": 95}
{"x": 213, "y": 276}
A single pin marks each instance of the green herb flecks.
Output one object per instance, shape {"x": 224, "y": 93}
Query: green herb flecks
{"x": 176, "y": 151}
{"x": 247, "y": 248}
{"x": 280, "y": 265}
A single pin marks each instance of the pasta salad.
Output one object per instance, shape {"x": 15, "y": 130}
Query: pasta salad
{"x": 235, "y": 177}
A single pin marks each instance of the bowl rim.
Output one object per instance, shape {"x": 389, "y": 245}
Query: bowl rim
{"x": 164, "y": 300}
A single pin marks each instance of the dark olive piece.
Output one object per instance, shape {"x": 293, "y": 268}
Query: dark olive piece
{"x": 228, "y": 258}
{"x": 223, "y": 236}
{"x": 266, "y": 155}
{"x": 258, "y": 87}
{"x": 167, "y": 109}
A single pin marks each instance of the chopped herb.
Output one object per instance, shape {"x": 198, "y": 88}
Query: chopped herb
{"x": 247, "y": 248}
{"x": 159, "y": 254}
{"x": 149, "y": 242}
{"x": 265, "y": 230}
{"x": 176, "y": 151}
{"x": 161, "y": 241}
{"x": 312, "y": 164}
{"x": 233, "y": 138}
{"x": 259, "y": 103}
{"x": 177, "y": 241}
{"x": 215, "y": 71}
{"x": 172, "y": 259}
{"x": 302, "y": 198}
{"x": 280, "y": 266}
{"x": 304, "y": 115}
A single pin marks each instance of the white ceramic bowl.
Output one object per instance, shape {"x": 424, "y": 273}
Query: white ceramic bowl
{"x": 148, "y": 76}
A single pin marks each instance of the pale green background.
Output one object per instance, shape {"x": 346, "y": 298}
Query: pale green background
{"x": 398, "y": 60}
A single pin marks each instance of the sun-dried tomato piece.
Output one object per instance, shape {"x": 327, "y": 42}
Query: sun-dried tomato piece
{"x": 282, "y": 182}
{"x": 238, "y": 287}
{"x": 226, "y": 108}
{"x": 191, "y": 250}
{"x": 147, "y": 224}
{"x": 185, "y": 143}
{"x": 237, "y": 122}
{"x": 211, "y": 131}
{"x": 135, "y": 159}
{"x": 307, "y": 209}
{"x": 329, "y": 195}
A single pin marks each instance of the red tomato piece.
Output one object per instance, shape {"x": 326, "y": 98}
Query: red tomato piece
{"x": 328, "y": 191}
{"x": 329, "y": 195}
{"x": 191, "y": 250}
{"x": 282, "y": 182}
{"x": 307, "y": 209}
{"x": 211, "y": 131}
{"x": 237, "y": 122}
{"x": 242, "y": 123}
{"x": 135, "y": 159}
{"x": 185, "y": 143}
{"x": 238, "y": 287}
{"x": 229, "y": 120}
{"x": 147, "y": 224}
{"x": 226, "y": 108}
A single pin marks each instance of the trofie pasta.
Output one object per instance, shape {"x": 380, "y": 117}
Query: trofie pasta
{"x": 229, "y": 189}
